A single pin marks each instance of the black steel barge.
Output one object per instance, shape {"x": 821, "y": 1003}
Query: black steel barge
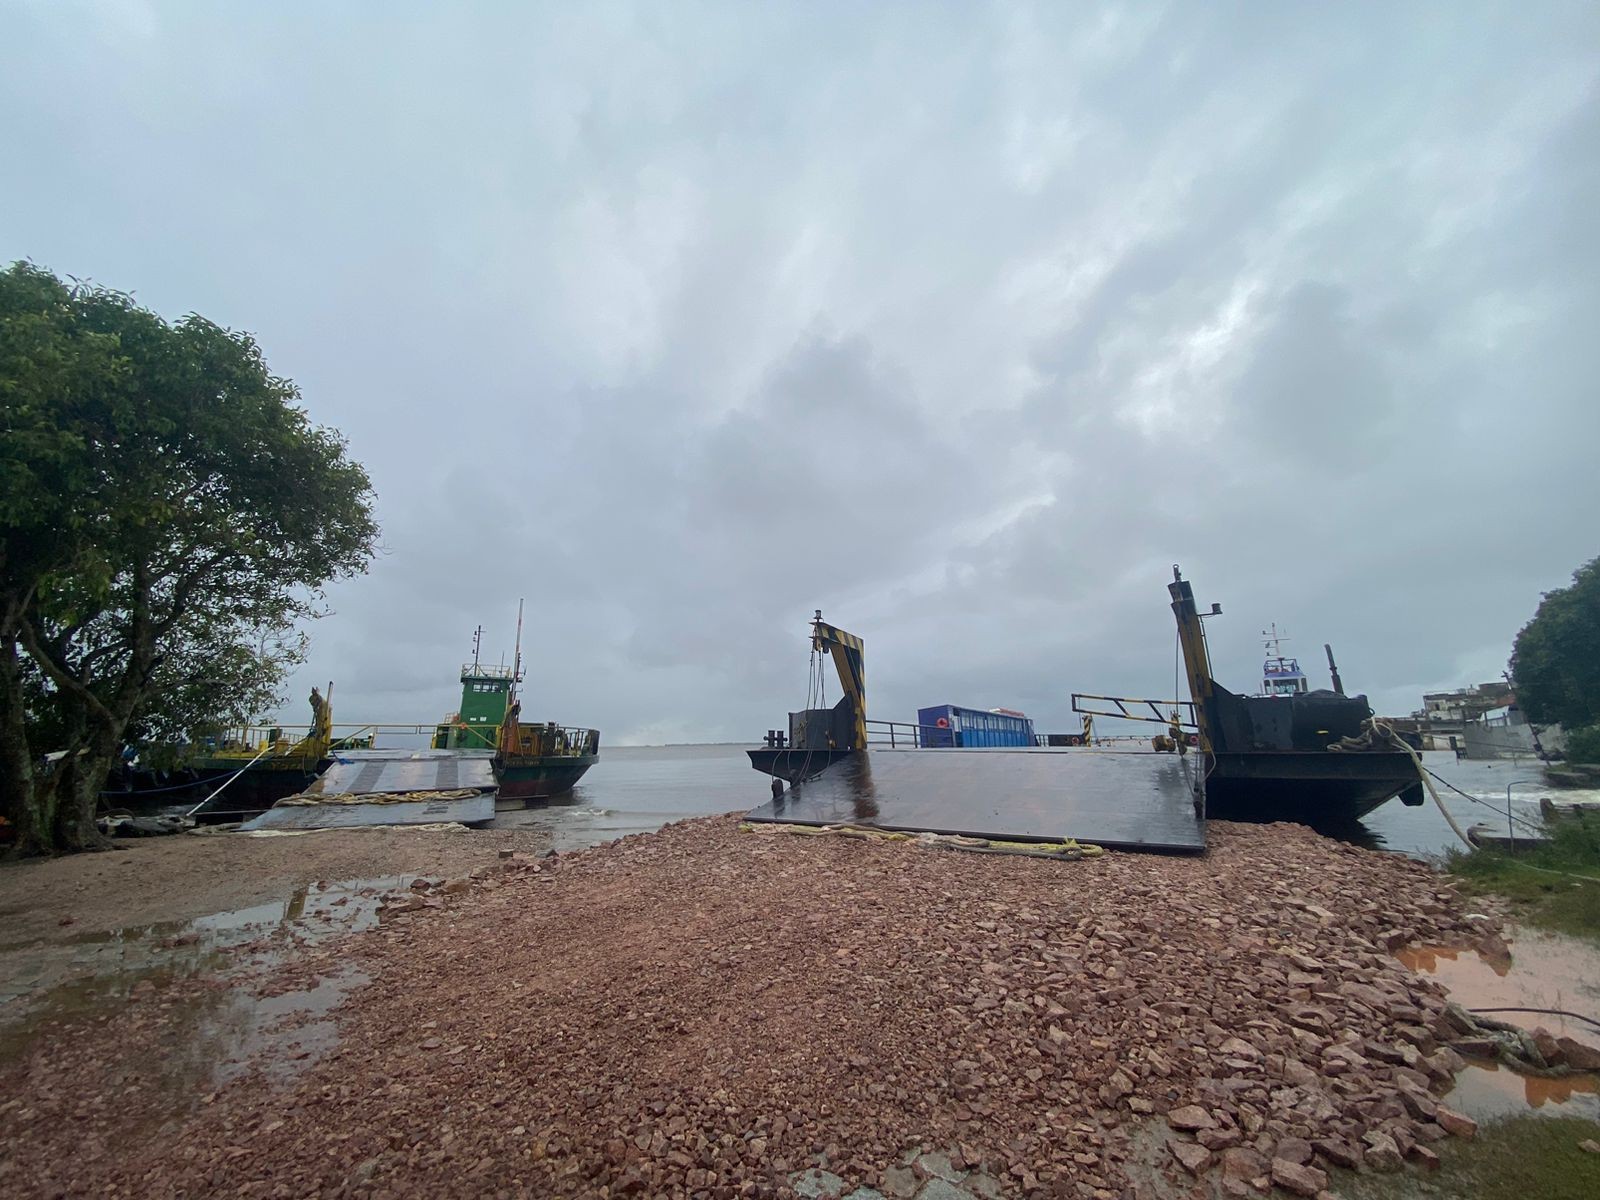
{"x": 1314, "y": 757}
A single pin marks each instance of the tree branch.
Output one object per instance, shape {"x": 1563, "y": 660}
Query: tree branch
{"x": 58, "y": 673}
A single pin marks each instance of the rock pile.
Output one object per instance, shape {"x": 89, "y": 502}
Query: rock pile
{"x": 705, "y": 1012}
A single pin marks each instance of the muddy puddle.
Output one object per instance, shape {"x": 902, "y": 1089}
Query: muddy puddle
{"x": 1489, "y": 1091}
{"x": 104, "y": 978}
{"x": 1543, "y": 971}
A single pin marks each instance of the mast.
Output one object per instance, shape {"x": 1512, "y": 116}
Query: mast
{"x": 516, "y": 660}
{"x": 1338, "y": 684}
{"x": 509, "y": 735}
{"x": 1274, "y": 642}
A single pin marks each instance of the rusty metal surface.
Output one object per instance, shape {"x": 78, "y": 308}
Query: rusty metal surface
{"x": 1118, "y": 799}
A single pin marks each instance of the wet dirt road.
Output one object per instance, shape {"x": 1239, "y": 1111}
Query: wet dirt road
{"x": 144, "y": 881}
{"x": 713, "y": 1010}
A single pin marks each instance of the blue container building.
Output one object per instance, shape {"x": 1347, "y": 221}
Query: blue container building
{"x": 972, "y": 728}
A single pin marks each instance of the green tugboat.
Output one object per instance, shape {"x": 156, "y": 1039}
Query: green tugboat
{"x": 531, "y": 761}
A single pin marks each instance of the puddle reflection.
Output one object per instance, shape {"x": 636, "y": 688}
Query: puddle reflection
{"x": 1488, "y": 1091}
{"x": 1541, "y": 971}
{"x": 95, "y": 975}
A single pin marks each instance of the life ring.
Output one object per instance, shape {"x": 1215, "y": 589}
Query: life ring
{"x": 943, "y": 722}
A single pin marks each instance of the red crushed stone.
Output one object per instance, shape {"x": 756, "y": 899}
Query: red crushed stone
{"x": 704, "y": 1011}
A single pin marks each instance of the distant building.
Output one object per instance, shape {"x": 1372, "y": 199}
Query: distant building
{"x": 1483, "y": 722}
{"x": 1446, "y": 713}
{"x": 1505, "y": 733}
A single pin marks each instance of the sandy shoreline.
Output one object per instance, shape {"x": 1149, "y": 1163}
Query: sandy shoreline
{"x": 148, "y": 880}
{"x": 707, "y": 1011}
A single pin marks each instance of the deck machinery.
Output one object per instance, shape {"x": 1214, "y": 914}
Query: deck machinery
{"x": 819, "y": 737}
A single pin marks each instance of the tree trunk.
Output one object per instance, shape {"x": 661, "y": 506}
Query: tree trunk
{"x": 17, "y": 797}
{"x": 79, "y": 799}
{"x": 63, "y": 802}
{"x": 37, "y": 834}
{"x": 53, "y": 809}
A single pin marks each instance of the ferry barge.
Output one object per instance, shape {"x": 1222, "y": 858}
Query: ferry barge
{"x": 1290, "y": 755}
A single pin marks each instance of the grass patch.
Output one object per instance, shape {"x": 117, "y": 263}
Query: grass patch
{"x": 1556, "y": 886}
{"x": 1521, "y": 1158}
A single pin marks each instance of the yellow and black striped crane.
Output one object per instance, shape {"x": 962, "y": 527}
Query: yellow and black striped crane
{"x": 1192, "y": 639}
{"x": 846, "y": 650}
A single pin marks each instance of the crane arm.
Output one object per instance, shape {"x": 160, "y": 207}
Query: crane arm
{"x": 1192, "y": 639}
{"x": 846, "y": 652}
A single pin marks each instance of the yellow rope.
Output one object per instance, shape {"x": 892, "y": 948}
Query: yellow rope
{"x": 307, "y": 801}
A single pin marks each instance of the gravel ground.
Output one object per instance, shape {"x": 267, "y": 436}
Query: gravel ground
{"x": 148, "y": 880}
{"x": 709, "y": 1012}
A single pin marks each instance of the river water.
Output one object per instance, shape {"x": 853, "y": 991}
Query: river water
{"x": 634, "y": 789}
{"x": 1422, "y": 832}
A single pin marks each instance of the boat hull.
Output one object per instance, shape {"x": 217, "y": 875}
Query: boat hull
{"x": 541, "y": 777}
{"x": 794, "y": 765}
{"x": 1308, "y": 786}
{"x": 243, "y": 794}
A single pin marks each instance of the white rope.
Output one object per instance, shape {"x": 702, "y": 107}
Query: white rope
{"x": 1423, "y": 774}
{"x": 267, "y": 750}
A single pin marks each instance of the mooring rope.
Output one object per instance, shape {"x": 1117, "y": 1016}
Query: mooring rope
{"x": 1524, "y": 822}
{"x": 267, "y": 750}
{"x": 1548, "y": 1012}
{"x": 1375, "y": 731}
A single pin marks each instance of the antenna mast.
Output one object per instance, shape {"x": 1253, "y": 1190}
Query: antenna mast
{"x": 1274, "y": 641}
{"x": 516, "y": 661}
{"x": 477, "y": 642}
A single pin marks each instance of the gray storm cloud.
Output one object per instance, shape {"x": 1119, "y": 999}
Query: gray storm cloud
{"x": 962, "y": 324}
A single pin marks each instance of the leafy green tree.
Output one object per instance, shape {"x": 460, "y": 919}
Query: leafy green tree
{"x": 1555, "y": 663}
{"x": 166, "y": 511}
{"x": 1583, "y": 746}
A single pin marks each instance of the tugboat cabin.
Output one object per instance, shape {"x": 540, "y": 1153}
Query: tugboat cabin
{"x": 485, "y": 696}
{"x": 1281, "y": 676}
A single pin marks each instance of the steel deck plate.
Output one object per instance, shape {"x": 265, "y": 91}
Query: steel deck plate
{"x": 389, "y": 772}
{"x": 1125, "y": 800}
{"x": 405, "y": 771}
{"x": 471, "y": 810}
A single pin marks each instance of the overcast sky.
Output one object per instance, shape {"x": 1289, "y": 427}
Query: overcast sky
{"x": 960, "y": 322}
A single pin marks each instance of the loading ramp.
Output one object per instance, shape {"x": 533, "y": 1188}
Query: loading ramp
{"x": 391, "y": 787}
{"x": 1120, "y": 799}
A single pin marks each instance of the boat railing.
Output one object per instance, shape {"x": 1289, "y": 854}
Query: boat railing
{"x": 268, "y": 742}
{"x": 907, "y": 735}
{"x": 543, "y": 739}
{"x": 280, "y": 741}
{"x": 487, "y": 671}
{"x": 1127, "y": 708}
